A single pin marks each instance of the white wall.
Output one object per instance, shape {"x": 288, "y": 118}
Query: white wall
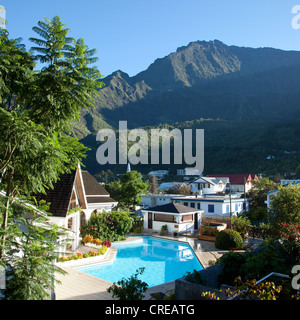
{"x": 153, "y": 200}
{"x": 181, "y": 227}
{"x": 219, "y": 207}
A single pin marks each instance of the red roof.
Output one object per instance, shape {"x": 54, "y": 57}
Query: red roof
{"x": 236, "y": 178}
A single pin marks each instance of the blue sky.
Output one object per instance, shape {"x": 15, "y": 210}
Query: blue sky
{"x": 130, "y": 34}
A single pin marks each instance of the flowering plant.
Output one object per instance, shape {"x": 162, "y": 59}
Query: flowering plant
{"x": 290, "y": 236}
{"x": 106, "y": 243}
{"x": 110, "y": 226}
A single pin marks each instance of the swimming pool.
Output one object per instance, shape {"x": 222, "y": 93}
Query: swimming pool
{"x": 163, "y": 260}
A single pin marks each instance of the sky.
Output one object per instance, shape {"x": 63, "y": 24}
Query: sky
{"x": 129, "y": 35}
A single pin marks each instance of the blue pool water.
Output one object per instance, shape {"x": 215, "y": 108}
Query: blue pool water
{"x": 164, "y": 261}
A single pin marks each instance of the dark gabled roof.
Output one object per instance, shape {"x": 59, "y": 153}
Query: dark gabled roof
{"x": 92, "y": 186}
{"x": 59, "y": 197}
{"x": 99, "y": 199}
{"x": 172, "y": 208}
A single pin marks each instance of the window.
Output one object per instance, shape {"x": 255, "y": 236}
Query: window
{"x": 70, "y": 223}
{"x": 164, "y": 217}
{"x": 199, "y": 205}
{"x": 187, "y": 217}
{"x": 192, "y": 205}
{"x": 211, "y": 208}
{"x": 186, "y": 204}
{"x": 227, "y": 208}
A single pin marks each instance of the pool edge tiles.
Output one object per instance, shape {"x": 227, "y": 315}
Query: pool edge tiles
{"x": 164, "y": 261}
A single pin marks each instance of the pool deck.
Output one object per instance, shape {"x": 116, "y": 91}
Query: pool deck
{"x": 76, "y": 285}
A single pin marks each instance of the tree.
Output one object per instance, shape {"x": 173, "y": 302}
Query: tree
{"x": 128, "y": 189}
{"x": 67, "y": 83}
{"x": 285, "y": 206}
{"x": 259, "y": 190}
{"x": 105, "y": 176}
{"x": 31, "y": 270}
{"x": 36, "y": 110}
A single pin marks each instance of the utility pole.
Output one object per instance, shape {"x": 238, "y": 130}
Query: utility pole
{"x": 230, "y": 206}
{"x": 244, "y": 194}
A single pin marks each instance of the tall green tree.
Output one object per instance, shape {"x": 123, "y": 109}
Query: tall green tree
{"x": 285, "y": 206}
{"x": 36, "y": 110}
{"x": 128, "y": 189}
{"x": 67, "y": 83}
{"x": 259, "y": 190}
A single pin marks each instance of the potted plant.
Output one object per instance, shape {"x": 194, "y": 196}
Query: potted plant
{"x": 175, "y": 233}
{"x": 164, "y": 230}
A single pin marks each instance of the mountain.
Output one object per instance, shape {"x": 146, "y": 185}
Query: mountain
{"x": 239, "y": 86}
{"x": 205, "y": 80}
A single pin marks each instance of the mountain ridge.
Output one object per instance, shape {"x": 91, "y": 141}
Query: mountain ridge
{"x": 204, "y": 79}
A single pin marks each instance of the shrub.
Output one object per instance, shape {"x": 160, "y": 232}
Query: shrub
{"x": 62, "y": 259}
{"x": 92, "y": 253}
{"x": 106, "y": 243}
{"x": 80, "y": 255}
{"x": 122, "y": 223}
{"x": 102, "y": 250}
{"x": 97, "y": 242}
{"x": 227, "y": 239}
{"x": 137, "y": 230}
{"x": 85, "y": 255}
{"x": 240, "y": 224}
{"x": 88, "y": 238}
{"x": 233, "y": 263}
{"x": 129, "y": 289}
{"x": 111, "y": 226}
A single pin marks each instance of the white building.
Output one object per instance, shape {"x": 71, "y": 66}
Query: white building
{"x": 97, "y": 197}
{"x": 157, "y": 199}
{"x": 159, "y": 174}
{"x": 285, "y": 182}
{"x": 72, "y": 200}
{"x": 239, "y": 182}
{"x": 215, "y": 204}
{"x": 209, "y": 185}
{"x": 188, "y": 172}
{"x": 176, "y": 216}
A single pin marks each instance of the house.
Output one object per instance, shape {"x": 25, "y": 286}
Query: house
{"x": 72, "y": 200}
{"x": 209, "y": 185}
{"x": 97, "y": 197}
{"x": 165, "y": 186}
{"x": 67, "y": 194}
{"x": 157, "y": 199}
{"x": 188, "y": 172}
{"x": 284, "y": 182}
{"x": 159, "y": 174}
{"x": 176, "y": 216}
{"x": 239, "y": 182}
{"x": 221, "y": 205}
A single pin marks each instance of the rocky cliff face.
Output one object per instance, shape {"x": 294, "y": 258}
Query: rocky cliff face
{"x": 203, "y": 80}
